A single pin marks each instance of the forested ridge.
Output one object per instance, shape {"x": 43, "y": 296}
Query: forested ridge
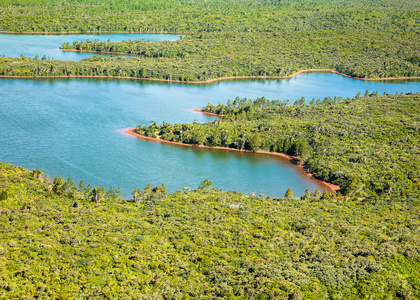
{"x": 364, "y": 39}
{"x": 60, "y": 241}
{"x": 367, "y": 145}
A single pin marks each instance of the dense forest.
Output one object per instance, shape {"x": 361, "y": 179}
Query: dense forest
{"x": 60, "y": 241}
{"x": 366, "y": 144}
{"x": 365, "y": 39}
{"x": 68, "y": 241}
{"x": 196, "y": 15}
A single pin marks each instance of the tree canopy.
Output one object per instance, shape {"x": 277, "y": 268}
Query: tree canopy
{"x": 366, "y": 39}
{"x": 366, "y": 145}
{"x": 61, "y": 243}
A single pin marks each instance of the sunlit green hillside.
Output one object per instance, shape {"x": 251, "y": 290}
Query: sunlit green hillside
{"x": 56, "y": 242}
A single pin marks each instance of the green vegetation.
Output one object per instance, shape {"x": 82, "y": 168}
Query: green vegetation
{"x": 366, "y": 145}
{"x": 206, "y": 56}
{"x": 365, "y": 39}
{"x": 59, "y": 240}
{"x": 197, "y": 15}
{"x": 201, "y": 244}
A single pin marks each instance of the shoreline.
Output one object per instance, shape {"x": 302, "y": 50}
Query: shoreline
{"x": 97, "y": 52}
{"x": 331, "y": 188}
{"x": 208, "y": 113}
{"x": 214, "y": 80}
{"x": 91, "y": 31}
{"x": 108, "y": 52}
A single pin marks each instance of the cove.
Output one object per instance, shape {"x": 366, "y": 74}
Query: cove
{"x": 29, "y": 45}
{"x": 75, "y": 128}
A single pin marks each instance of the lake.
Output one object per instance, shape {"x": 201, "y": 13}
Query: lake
{"x": 15, "y": 45}
{"x": 75, "y": 128}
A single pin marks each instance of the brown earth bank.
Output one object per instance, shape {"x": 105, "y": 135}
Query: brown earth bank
{"x": 331, "y": 188}
{"x": 208, "y": 113}
{"x": 212, "y": 80}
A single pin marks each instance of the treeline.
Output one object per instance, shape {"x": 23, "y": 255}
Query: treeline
{"x": 365, "y": 39}
{"x": 68, "y": 189}
{"x": 194, "y": 16}
{"x": 203, "y": 243}
{"x": 365, "y": 54}
{"x": 207, "y": 56}
{"x": 366, "y": 145}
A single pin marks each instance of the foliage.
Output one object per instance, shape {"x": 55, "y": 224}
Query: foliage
{"x": 365, "y": 39}
{"x": 203, "y": 244}
{"x": 196, "y": 15}
{"x": 206, "y": 56}
{"x": 59, "y": 240}
{"x": 149, "y": 193}
{"x": 289, "y": 193}
{"x": 367, "y": 145}
{"x": 205, "y": 185}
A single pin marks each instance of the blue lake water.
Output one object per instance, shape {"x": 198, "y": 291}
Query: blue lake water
{"x": 15, "y": 45}
{"x": 74, "y": 128}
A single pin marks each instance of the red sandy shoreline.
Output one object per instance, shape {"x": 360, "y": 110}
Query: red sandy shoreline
{"x": 332, "y": 188}
{"x": 208, "y": 113}
{"x": 213, "y": 80}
